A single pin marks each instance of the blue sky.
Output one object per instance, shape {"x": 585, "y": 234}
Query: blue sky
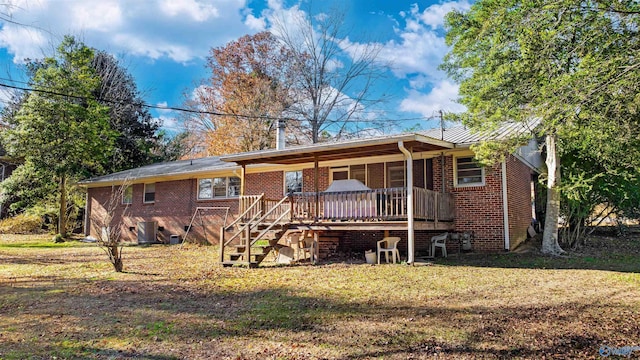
{"x": 165, "y": 42}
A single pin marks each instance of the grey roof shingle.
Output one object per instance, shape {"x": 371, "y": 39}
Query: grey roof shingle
{"x": 164, "y": 169}
{"x": 460, "y": 136}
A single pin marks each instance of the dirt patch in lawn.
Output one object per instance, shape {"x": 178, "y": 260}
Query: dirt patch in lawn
{"x": 65, "y": 302}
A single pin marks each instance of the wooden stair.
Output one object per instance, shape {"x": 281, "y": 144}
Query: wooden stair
{"x": 237, "y": 257}
{"x": 249, "y": 248}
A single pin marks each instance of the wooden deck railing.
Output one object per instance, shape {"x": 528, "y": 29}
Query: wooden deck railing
{"x": 370, "y": 205}
{"x": 258, "y": 204}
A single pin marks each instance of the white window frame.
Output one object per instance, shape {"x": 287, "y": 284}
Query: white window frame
{"x": 127, "y": 193}
{"x": 340, "y": 169}
{"x": 227, "y": 188}
{"x": 285, "y": 191}
{"x": 469, "y": 184}
{"x": 144, "y": 194}
{"x": 366, "y": 173}
{"x": 387, "y": 173}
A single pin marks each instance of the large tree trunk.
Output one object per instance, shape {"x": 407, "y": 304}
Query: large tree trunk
{"x": 62, "y": 213}
{"x": 550, "y": 236}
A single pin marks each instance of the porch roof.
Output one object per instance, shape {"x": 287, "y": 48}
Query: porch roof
{"x": 384, "y": 145}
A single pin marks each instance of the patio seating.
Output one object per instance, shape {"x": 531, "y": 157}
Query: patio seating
{"x": 389, "y": 245}
{"x": 439, "y": 241}
{"x": 293, "y": 240}
{"x": 307, "y": 247}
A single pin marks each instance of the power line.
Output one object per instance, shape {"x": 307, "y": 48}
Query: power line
{"x": 165, "y": 107}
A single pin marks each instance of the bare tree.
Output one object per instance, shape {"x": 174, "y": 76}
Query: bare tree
{"x": 108, "y": 225}
{"x": 335, "y": 87}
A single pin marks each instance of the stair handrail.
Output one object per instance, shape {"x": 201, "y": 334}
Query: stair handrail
{"x": 250, "y": 222}
{"x": 272, "y": 210}
{"x": 264, "y": 231}
{"x": 261, "y": 196}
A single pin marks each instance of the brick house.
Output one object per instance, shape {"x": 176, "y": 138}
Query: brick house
{"x": 415, "y": 186}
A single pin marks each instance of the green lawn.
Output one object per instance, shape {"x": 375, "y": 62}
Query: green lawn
{"x": 64, "y": 301}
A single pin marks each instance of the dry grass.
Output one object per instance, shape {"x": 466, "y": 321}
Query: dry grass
{"x": 64, "y": 301}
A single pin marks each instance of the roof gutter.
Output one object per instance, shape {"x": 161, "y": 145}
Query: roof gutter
{"x": 317, "y": 148}
{"x": 410, "y": 219}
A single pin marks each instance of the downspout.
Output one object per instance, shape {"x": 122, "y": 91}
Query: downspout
{"x": 87, "y": 210}
{"x": 410, "y": 228}
{"x": 505, "y": 207}
{"x": 442, "y": 175}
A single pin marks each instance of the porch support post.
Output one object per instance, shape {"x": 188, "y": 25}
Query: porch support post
{"x": 410, "y": 226}
{"x": 316, "y": 187}
{"x": 243, "y": 171}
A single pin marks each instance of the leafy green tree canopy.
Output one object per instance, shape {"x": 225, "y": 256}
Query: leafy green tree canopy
{"x": 570, "y": 65}
{"x": 67, "y": 134}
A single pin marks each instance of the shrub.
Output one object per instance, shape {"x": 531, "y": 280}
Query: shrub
{"x": 21, "y": 224}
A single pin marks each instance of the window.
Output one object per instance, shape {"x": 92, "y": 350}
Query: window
{"x": 127, "y": 195}
{"x": 359, "y": 172}
{"x": 395, "y": 174}
{"x": 468, "y": 172}
{"x": 339, "y": 173}
{"x": 293, "y": 181}
{"x": 220, "y": 187}
{"x": 149, "y": 193}
{"x": 204, "y": 189}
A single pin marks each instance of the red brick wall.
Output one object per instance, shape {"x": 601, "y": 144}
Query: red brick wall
{"x": 519, "y": 196}
{"x": 478, "y": 208}
{"x": 376, "y": 176}
{"x": 308, "y": 182}
{"x": 270, "y": 183}
{"x": 174, "y": 206}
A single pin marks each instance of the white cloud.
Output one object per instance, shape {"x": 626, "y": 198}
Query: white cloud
{"x": 434, "y": 14}
{"x": 443, "y": 97}
{"x": 168, "y": 119}
{"x": 418, "y": 52}
{"x": 140, "y": 46}
{"x": 420, "y": 46}
{"x": 23, "y": 42}
{"x": 254, "y": 23}
{"x": 180, "y": 30}
{"x": 100, "y": 16}
{"x": 197, "y": 11}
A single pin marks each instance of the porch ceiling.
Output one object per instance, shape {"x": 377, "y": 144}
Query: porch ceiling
{"x": 342, "y": 150}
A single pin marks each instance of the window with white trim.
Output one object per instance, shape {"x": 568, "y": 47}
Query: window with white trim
{"x": 395, "y": 174}
{"x": 149, "y": 193}
{"x": 359, "y": 172}
{"x": 292, "y": 182}
{"x": 219, "y": 187}
{"x": 127, "y": 195}
{"x": 468, "y": 172}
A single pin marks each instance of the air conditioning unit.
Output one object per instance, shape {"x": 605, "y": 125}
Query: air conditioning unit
{"x": 147, "y": 232}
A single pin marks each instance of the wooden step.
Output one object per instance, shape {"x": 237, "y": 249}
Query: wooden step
{"x": 256, "y": 249}
{"x": 238, "y": 256}
{"x": 230, "y": 263}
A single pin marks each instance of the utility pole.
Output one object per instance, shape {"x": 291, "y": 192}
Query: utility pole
{"x": 441, "y": 124}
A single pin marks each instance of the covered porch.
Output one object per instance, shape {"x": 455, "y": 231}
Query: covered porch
{"x": 408, "y": 208}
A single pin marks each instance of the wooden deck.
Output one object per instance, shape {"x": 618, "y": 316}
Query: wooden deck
{"x": 358, "y": 209}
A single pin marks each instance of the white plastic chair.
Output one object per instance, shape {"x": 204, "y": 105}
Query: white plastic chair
{"x": 390, "y": 246}
{"x": 294, "y": 242}
{"x": 439, "y": 241}
{"x": 307, "y": 247}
